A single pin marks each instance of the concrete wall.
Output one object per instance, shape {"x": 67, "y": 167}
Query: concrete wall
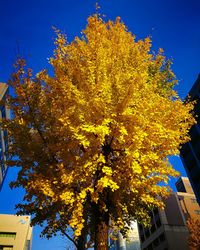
{"x": 19, "y": 225}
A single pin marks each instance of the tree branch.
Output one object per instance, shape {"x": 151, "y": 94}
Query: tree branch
{"x": 69, "y": 238}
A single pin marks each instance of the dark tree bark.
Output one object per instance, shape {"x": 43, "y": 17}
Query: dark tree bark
{"x": 101, "y": 216}
{"x": 101, "y": 229}
{"x": 81, "y": 243}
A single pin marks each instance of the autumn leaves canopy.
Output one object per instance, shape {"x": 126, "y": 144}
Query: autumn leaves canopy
{"x": 93, "y": 138}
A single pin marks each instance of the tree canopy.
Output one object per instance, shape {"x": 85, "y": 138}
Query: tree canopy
{"x": 194, "y": 233}
{"x": 92, "y": 140}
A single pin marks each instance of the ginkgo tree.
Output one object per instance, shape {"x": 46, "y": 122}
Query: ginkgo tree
{"x": 92, "y": 140}
{"x": 193, "y": 225}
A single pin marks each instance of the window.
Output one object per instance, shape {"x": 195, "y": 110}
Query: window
{"x": 158, "y": 223}
{"x": 140, "y": 227}
{"x": 197, "y": 212}
{"x": 156, "y": 242}
{"x": 147, "y": 233}
{"x": 6, "y": 247}
{"x": 149, "y": 247}
{"x": 180, "y": 186}
{"x": 151, "y": 214}
{"x": 142, "y": 238}
{"x": 193, "y": 200}
{"x": 155, "y": 211}
{"x": 3, "y": 112}
{"x": 162, "y": 237}
{"x": 7, "y": 235}
{"x": 3, "y": 169}
{"x": 28, "y": 245}
{"x": 153, "y": 228}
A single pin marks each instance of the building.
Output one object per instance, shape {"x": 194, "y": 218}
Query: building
{"x": 190, "y": 152}
{"x": 131, "y": 243}
{"x": 4, "y": 113}
{"x": 15, "y": 232}
{"x": 187, "y": 199}
{"x": 168, "y": 229}
{"x": 183, "y": 185}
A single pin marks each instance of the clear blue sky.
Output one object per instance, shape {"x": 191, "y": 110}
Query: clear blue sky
{"x": 26, "y": 28}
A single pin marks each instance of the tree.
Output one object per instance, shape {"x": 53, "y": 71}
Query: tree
{"x": 194, "y": 233}
{"x": 92, "y": 140}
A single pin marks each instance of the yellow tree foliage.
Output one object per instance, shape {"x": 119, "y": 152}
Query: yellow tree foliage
{"x": 194, "y": 233}
{"x": 93, "y": 139}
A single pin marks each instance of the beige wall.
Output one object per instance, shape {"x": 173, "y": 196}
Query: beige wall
{"x": 178, "y": 208}
{"x": 3, "y": 89}
{"x": 189, "y": 205}
{"x": 19, "y": 225}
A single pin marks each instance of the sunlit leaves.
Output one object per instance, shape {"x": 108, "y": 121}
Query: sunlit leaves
{"x": 97, "y": 132}
{"x": 194, "y": 233}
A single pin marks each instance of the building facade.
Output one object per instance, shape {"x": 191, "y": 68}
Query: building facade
{"x": 190, "y": 152}
{"x": 15, "y": 232}
{"x": 131, "y": 243}
{"x": 168, "y": 229}
{"x": 187, "y": 199}
{"x": 4, "y": 113}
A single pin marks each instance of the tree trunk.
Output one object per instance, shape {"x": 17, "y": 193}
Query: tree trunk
{"x": 101, "y": 216}
{"x": 101, "y": 229}
{"x": 82, "y": 239}
{"x": 81, "y": 243}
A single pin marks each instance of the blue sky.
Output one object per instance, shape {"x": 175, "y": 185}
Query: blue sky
{"x": 26, "y": 28}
